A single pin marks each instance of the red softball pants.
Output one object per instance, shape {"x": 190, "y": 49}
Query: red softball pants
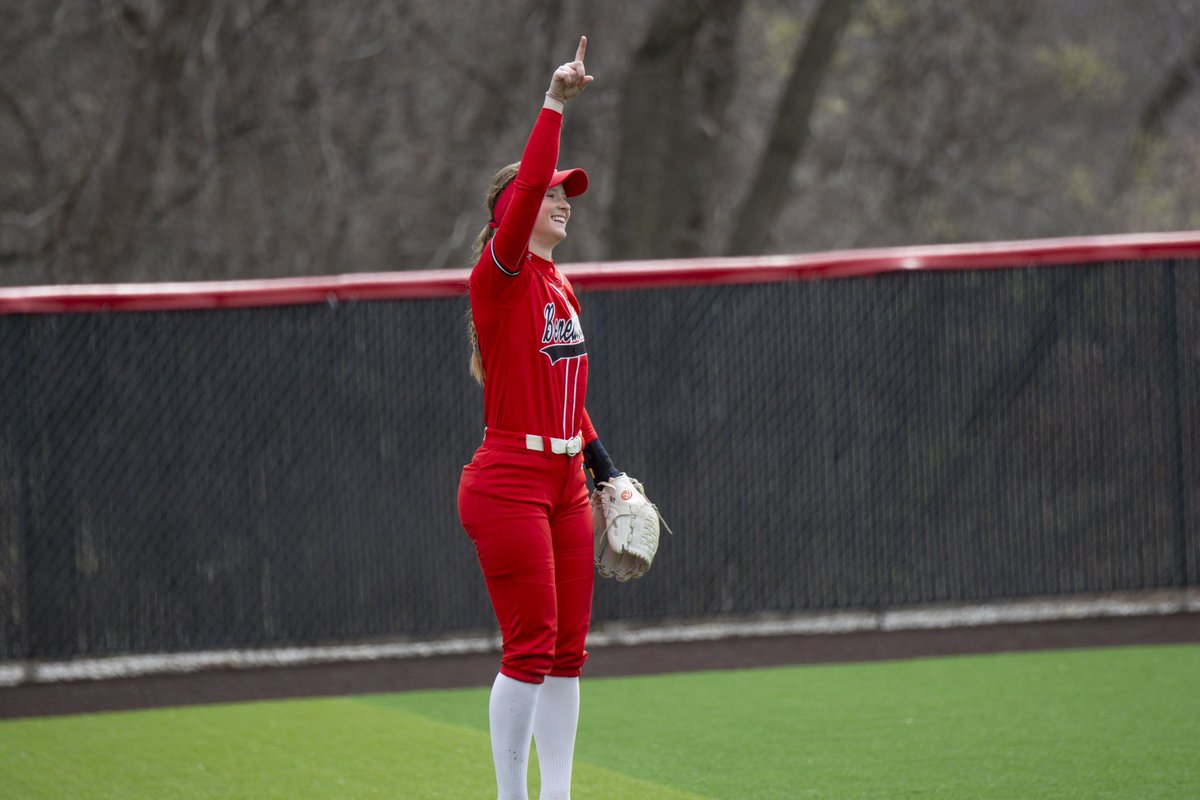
{"x": 528, "y": 515}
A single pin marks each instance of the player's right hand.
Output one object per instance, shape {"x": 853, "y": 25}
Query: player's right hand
{"x": 571, "y": 78}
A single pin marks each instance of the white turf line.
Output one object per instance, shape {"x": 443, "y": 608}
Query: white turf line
{"x": 923, "y": 618}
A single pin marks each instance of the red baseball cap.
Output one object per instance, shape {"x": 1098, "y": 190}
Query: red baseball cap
{"x": 574, "y": 183}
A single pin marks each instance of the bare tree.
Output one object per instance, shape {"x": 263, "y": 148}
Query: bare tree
{"x": 927, "y": 131}
{"x": 146, "y": 140}
{"x": 160, "y": 43}
{"x": 789, "y": 130}
{"x": 673, "y": 105}
{"x": 1151, "y": 122}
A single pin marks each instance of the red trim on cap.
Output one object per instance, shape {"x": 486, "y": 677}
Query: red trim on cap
{"x": 599, "y": 276}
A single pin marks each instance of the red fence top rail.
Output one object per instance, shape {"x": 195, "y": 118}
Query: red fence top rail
{"x": 599, "y": 276}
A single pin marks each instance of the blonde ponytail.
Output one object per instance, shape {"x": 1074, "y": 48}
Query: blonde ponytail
{"x": 476, "y": 359}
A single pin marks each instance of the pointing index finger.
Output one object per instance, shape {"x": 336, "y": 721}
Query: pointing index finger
{"x": 582, "y": 49}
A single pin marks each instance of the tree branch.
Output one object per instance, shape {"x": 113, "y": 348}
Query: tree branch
{"x": 1152, "y": 121}
{"x": 769, "y": 188}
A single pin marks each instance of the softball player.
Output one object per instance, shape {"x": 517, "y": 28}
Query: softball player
{"x": 523, "y": 499}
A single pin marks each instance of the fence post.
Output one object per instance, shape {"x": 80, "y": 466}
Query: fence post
{"x": 15, "y": 412}
{"x": 1174, "y": 418}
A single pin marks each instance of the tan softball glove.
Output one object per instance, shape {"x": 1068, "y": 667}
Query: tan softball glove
{"x": 626, "y": 527}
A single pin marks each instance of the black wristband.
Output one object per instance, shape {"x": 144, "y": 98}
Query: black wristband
{"x": 598, "y": 463}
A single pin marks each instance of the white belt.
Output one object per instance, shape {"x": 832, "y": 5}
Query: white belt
{"x": 562, "y": 447}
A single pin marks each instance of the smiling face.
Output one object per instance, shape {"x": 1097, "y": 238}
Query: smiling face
{"x": 551, "y": 225}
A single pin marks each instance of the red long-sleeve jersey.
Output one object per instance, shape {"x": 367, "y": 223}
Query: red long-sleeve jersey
{"x": 526, "y": 314}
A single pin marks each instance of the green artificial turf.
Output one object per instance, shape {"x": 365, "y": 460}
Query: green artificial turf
{"x": 1111, "y": 723}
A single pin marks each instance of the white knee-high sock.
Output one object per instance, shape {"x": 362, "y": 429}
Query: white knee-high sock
{"x": 510, "y": 717}
{"x": 554, "y": 725}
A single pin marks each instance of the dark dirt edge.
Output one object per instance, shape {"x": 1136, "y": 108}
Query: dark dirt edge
{"x": 474, "y": 670}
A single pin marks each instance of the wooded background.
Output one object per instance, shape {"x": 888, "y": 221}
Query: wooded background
{"x": 201, "y": 139}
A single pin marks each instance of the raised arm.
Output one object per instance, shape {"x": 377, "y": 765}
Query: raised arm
{"x": 518, "y": 205}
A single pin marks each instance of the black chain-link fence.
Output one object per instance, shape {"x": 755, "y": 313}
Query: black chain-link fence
{"x": 185, "y": 480}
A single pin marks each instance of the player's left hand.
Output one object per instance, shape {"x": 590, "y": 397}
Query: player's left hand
{"x": 626, "y": 528}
